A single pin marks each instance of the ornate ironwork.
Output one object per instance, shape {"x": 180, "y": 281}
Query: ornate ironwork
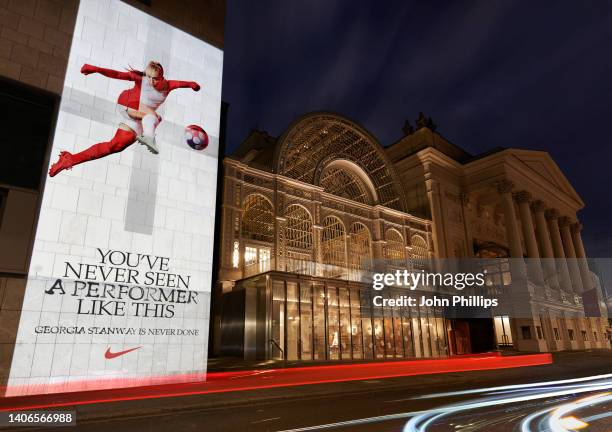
{"x": 318, "y": 138}
{"x": 258, "y": 219}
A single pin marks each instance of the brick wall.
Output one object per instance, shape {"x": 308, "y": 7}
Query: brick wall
{"x": 203, "y": 19}
{"x": 35, "y": 41}
{"x": 35, "y": 35}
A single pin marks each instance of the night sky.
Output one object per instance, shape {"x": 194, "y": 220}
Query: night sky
{"x": 535, "y": 75}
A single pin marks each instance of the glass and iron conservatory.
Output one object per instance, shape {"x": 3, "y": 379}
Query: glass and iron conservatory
{"x": 306, "y": 219}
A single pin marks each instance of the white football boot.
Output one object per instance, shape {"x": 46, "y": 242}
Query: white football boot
{"x": 149, "y": 142}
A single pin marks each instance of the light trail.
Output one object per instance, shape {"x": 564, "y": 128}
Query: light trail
{"x": 510, "y": 397}
{"x": 516, "y": 386}
{"x": 362, "y": 421}
{"x": 118, "y": 390}
{"x": 555, "y": 422}
{"x": 552, "y": 419}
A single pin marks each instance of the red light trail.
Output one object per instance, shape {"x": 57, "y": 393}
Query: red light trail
{"x": 75, "y": 393}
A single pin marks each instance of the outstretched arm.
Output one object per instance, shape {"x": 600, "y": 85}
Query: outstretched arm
{"x": 174, "y": 84}
{"x": 110, "y": 73}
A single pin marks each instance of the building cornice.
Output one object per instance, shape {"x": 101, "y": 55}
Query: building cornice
{"x": 506, "y": 164}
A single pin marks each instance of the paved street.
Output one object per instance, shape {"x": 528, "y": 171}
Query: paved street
{"x": 379, "y": 404}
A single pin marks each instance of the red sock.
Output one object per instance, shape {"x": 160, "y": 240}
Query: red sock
{"x": 120, "y": 141}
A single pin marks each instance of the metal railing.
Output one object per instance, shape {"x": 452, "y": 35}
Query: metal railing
{"x": 311, "y": 268}
{"x": 274, "y": 343}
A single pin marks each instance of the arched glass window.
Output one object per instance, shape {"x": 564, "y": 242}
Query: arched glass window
{"x": 343, "y": 183}
{"x": 419, "y": 254}
{"x": 258, "y": 219}
{"x": 298, "y": 237}
{"x": 360, "y": 257}
{"x": 319, "y": 137}
{"x": 394, "y": 249}
{"x": 334, "y": 247}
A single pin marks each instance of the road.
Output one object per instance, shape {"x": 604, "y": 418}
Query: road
{"x": 539, "y": 398}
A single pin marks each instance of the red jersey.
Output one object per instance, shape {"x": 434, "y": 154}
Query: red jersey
{"x": 142, "y": 92}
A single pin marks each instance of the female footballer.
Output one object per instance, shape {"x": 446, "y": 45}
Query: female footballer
{"x": 137, "y": 107}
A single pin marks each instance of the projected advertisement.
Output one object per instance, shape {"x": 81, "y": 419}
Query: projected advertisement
{"x": 118, "y": 291}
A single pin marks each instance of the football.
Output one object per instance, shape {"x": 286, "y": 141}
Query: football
{"x": 196, "y": 137}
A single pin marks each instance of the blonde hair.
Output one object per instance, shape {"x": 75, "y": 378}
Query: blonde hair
{"x": 151, "y": 66}
{"x": 155, "y": 66}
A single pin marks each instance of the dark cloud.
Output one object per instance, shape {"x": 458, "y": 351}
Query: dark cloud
{"x": 514, "y": 73}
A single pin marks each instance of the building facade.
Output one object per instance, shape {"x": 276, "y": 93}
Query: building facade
{"x": 35, "y": 49}
{"x": 307, "y": 216}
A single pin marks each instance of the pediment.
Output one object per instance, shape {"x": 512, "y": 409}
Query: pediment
{"x": 544, "y": 170}
{"x": 541, "y": 164}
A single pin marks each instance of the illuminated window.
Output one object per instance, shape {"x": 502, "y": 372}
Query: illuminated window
{"x": 360, "y": 257}
{"x": 264, "y": 260}
{"x": 419, "y": 252}
{"x": 256, "y": 260}
{"x": 502, "y": 330}
{"x": 343, "y": 183}
{"x": 258, "y": 219}
{"x": 250, "y": 255}
{"x": 334, "y": 247}
{"x": 298, "y": 235}
{"x": 236, "y": 255}
{"x": 394, "y": 249}
{"x": 496, "y": 266}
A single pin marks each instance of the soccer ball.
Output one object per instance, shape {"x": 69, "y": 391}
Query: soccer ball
{"x": 196, "y": 137}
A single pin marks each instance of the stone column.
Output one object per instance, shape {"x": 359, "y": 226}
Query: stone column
{"x": 280, "y": 225}
{"x": 546, "y": 249}
{"x": 522, "y": 294}
{"x": 504, "y": 188}
{"x": 469, "y": 238}
{"x": 570, "y": 254}
{"x": 378, "y": 250}
{"x": 552, "y": 216}
{"x": 379, "y": 243}
{"x": 347, "y": 259}
{"x": 592, "y": 298}
{"x": 318, "y": 249}
{"x": 523, "y": 199}
{"x": 585, "y": 273}
{"x": 280, "y": 222}
{"x": 433, "y": 194}
{"x": 542, "y": 230}
{"x": 407, "y": 234}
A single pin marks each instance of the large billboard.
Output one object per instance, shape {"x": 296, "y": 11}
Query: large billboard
{"x": 118, "y": 291}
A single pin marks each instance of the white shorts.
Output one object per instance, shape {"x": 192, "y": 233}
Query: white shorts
{"x": 135, "y": 125}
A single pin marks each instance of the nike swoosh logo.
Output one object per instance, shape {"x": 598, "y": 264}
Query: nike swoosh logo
{"x": 111, "y": 355}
